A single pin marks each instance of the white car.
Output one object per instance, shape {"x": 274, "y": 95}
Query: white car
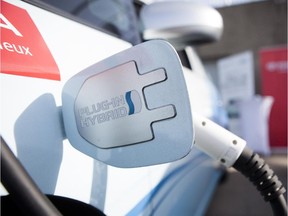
{"x": 42, "y": 47}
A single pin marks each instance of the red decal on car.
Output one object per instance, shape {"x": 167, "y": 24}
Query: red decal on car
{"x": 23, "y": 50}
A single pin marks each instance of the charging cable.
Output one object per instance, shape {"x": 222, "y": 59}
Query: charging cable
{"x": 232, "y": 151}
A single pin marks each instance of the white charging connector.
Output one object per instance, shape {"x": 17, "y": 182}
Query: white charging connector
{"x": 232, "y": 151}
{"x": 216, "y": 141}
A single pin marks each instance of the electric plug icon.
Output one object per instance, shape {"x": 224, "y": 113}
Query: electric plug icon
{"x": 118, "y": 115}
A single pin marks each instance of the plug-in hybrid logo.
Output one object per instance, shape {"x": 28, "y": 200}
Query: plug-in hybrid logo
{"x": 134, "y": 102}
{"x": 107, "y": 110}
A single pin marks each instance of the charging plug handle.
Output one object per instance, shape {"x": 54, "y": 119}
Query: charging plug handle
{"x": 219, "y": 143}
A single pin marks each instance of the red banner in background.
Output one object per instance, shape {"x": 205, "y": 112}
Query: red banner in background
{"x": 273, "y": 66}
{"x": 23, "y": 50}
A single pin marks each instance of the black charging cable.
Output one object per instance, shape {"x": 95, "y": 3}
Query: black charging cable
{"x": 21, "y": 187}
{"x": 262, "y": 176}
{"x": 232, "y": 151}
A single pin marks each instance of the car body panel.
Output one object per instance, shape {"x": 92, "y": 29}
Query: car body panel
{"x": 31, "y": 123}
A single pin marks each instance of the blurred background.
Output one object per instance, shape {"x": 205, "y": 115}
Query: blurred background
{"x": 248, "y": 66}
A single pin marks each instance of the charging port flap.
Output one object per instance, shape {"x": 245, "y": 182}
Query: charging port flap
{"x": 131, "y": 109}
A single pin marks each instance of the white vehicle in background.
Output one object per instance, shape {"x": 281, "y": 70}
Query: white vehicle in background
{"x": 44, "y": 43}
